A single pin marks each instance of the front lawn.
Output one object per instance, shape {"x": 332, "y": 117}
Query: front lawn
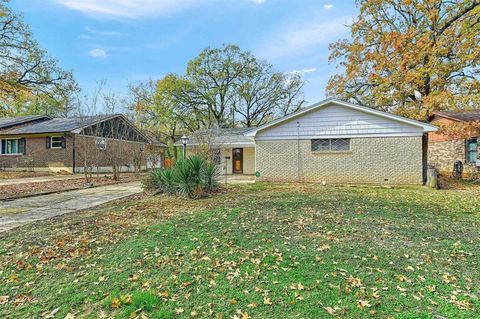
{"x": 257, "y": 251}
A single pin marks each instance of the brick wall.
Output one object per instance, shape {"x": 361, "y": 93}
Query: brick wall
{"x": 125, "y": 153}
{"x": 36, "y": 150}
{"x": 442, "y": 155}
{"x": 385, "y": 160}
{"x": 249, "y": 160}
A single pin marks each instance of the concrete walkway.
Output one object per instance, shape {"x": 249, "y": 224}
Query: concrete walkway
{"x": 21, "y": 211}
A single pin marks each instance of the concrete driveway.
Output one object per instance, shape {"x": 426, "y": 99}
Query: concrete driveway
{"x": 21, "y": 211}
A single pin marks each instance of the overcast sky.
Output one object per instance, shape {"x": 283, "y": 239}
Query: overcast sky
{"x": 123, "y": 41}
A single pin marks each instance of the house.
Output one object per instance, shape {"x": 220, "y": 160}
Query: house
{"x": 229, "y": 148}
{"x": 446, "y": 149}
{"x": 331, "y": 141}
{"x": 75, "y": 144}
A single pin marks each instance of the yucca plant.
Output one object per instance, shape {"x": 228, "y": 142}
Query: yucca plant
{"x": 153, "y": 180}
{"x": 168, "y": 183}
{"x": 196, "y": 164}
{"x": 182, "y": 173}
{"x": 209, "y": 177}
{"x": 193, "y": 177}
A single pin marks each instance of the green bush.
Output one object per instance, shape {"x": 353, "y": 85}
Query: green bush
{"x": 194, "y": 177}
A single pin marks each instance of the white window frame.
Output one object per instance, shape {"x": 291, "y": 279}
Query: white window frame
{"x": 9, "y": 139}
{"x": 56, "y": 147}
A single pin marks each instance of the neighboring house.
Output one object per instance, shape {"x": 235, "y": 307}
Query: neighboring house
{"x": 444, "y": 150}
{"x": 331, "y": 141}
{"x": 72, "y": 144}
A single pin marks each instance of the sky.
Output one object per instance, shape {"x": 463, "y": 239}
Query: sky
{"x": 128, "y": 41}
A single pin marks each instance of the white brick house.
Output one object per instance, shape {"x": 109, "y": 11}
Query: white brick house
{"x": 334, "y": 142}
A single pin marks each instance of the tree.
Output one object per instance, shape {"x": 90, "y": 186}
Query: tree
{"x": 157, "y": 109}
{"x": 30, "y": 81}
{"x": 222, "y": 87}
{"x": 212, "y": 77}
{"x": 411, "y": 57}
{"x": 263, "y": 94}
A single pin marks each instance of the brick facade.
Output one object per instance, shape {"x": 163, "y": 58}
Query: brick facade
{"x": 382, "y": 160}
{"x": 444, "y": 151}
{"x": 443, "y": 154}
{"x": 37, "y": 155}
{"x": 127, "y": 154}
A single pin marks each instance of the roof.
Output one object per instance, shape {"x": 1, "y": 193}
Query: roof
{"x": 59, "y": 125}
{"x": 63, "y": 125}
{"x": 18, "y": 120}
{"x": 220, "y": 136}
{"x": 465, "y": 116}
{"x": 425, "y": 126}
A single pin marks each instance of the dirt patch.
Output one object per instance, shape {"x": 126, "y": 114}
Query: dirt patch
{"x": 38, "y": 188}
{"x": 11, "y": 174}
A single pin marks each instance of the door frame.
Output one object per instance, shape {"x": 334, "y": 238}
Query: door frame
{"x": 241, "y": 160}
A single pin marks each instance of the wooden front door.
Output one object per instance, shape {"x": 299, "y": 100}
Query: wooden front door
{"x": 237, "y": 162}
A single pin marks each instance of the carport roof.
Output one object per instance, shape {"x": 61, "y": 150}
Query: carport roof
{"x": 219, "y": 136}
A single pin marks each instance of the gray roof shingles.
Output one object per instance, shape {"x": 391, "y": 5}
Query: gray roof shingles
{"x": 57, "y": 125}
{"x": 219, "y": 136}
{"x": 18, "y": 120}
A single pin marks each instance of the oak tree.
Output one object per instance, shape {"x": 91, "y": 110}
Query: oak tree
{"x": 30, "y": 80}
{"x": 411, "y": 56}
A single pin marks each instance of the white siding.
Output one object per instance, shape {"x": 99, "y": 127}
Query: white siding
{"x": 338, "y": 121}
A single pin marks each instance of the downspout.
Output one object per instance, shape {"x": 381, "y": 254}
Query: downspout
{"x": 298, "y": 153}
{"x": 73, "y": 154}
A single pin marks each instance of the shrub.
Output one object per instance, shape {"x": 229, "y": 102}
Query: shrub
{"x": 210, "y": 176}
{"x": 193, "y": 177}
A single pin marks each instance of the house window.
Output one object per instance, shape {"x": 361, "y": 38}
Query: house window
{"x": 101, "y": 144}
{"x": 331, "y": 144}
{"x": 472, "y": 147}
{"x": 56, "y": 142}
{"x": 13, "y": 146}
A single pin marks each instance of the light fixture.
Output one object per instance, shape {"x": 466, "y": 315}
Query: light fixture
{"x": 184, "y": 139}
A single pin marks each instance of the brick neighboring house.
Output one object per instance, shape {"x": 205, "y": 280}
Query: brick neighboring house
{"x": 444, "y": 151}
{"x": 332, "y": 141}
{"x": 72, "y": 144}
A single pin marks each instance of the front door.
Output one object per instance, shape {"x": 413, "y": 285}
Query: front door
{"x": 237, "y": 162}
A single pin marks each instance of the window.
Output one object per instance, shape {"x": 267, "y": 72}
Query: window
{"x": 13, "y": 146}
{"x": 472, "y": 146}
{"x": 101, "y": 143}
{"x": 56, "y": 142}
{"x": 332, "y": 144}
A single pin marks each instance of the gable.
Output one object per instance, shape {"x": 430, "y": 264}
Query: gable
{"x": 336, "y": 120}
{"x": 116, "y": 127}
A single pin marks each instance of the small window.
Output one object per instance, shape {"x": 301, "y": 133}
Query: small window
{"x": 101, "y": 144}
{"x": 56, "y": 142}
{"x": 13, "y": 146}
{"x": 472, "y": 150}
{"x": 332, "y": 144}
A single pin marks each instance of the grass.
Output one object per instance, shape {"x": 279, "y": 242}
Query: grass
{"x": 257, "y": 251}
